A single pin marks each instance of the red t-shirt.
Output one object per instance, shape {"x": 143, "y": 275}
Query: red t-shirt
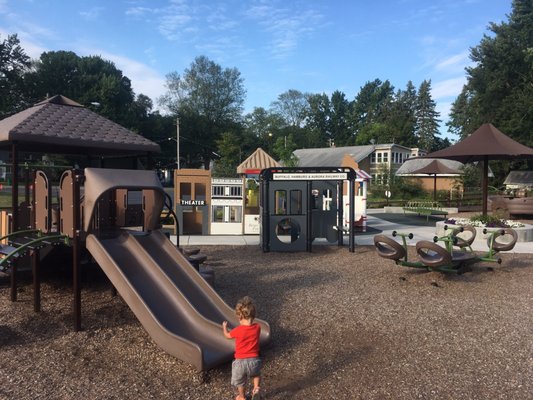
{"x": 246, "y": 340}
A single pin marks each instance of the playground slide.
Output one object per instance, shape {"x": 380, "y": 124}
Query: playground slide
{"x": 176, "y": 306}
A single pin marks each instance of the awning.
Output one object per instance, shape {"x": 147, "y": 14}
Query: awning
{"x": 362, "y": 175}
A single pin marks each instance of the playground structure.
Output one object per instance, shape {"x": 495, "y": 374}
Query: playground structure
{"x": 115, "y": 215}
{"x": 434, "y": 257}
{"x": 299, "y": 205}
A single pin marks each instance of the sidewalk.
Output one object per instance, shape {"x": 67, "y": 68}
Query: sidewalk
{"x": 361, "y": 239}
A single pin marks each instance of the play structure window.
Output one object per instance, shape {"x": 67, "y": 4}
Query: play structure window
{"x": 185, "y": 190}
{"x": 235, "y": 191}
{"x": 235, "y": 213}
{"x": 281, "y": 202}
{"x": 217, "y": 191}
{"x": 135, "y": 197}
{"x": 296, "y": 201}
{"x": 218, "y": 213}
{"x": 380, "y": 158}
{"x": 227, "y": 214}
{"x": 199, "y": 191}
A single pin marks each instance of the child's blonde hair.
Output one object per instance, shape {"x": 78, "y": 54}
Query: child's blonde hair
{"x": 245, "y": 308}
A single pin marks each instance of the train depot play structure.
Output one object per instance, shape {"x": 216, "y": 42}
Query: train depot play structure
{"x": 299, "y": 205}
{"x": 453, "y": 254}
{"x": 115, "y": 215}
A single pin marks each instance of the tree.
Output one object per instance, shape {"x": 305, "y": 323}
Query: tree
{"x": 208, "y": 94}
{"x": 463, "y": 120}
{"x": 340, "y": 126}
{"x": 318, "y": 118}
{"x": 372, "y": 103}
{"x": 292, "y": 105}
{"x": 263, "y": 125}
{"x": 402, "y": 118}
{"x": 427, "y": 122}
{"x": 13, "y": 64}
{"x": 498, "y": 88}
{"x": 229, "y": 151}
{"x": 87, "y": 80}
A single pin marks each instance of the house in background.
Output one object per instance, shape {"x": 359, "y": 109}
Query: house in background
{"x": 376, "y": 159}
{"x": 519, "y": 180}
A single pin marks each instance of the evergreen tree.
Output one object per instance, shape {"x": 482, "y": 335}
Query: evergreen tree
{"x": 13, "y": 64}
{"x": 498, "y": 88}
{"x": 427, "y": 122}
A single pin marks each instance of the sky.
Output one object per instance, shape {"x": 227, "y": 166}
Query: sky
{"x": 314, "y": 46}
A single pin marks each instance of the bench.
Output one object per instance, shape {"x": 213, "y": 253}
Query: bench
{"x": 427, "y": 208}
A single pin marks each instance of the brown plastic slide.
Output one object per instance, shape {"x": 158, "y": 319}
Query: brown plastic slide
{"x": 176, "y": 306}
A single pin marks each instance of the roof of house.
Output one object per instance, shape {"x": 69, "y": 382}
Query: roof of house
{"x": 257, "y": 161}
{"x": 523, "y": 178}
{"x": 60, "y": 125}
{"x": 331, "y": 156}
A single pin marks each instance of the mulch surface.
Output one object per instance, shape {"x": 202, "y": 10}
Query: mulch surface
{"x": 344, "y": 325}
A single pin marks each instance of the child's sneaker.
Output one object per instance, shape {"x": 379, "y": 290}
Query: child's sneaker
{"x": 256, "y": 395}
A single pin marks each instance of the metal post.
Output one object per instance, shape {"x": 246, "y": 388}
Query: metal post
{"x": 178, "y": 143}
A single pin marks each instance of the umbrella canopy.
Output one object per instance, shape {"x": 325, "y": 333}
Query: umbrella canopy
{"x": 486, "y": 143}
{"x": 435, "y": 167}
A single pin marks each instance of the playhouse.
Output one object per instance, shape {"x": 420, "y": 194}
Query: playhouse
{"x": 206, "y": 205}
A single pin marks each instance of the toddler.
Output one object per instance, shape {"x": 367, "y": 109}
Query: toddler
{"x": 247, "y": 363}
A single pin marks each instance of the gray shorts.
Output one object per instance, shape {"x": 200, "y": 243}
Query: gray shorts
{"x": 245, "y": 368}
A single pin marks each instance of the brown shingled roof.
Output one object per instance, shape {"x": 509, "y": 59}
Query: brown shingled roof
{"x": 257, "y": 161}
{"x": 61, "y": 125}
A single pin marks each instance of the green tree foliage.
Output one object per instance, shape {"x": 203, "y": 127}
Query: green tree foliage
{"x": 402, "y": 117}
{"x": 328, "y": 120}
{"x": 229, "y": 151}
{"x": 498, "y": 88}
{"x": 14, "y": 63}
{"x": 208, "y": 95}
{"x": 372, "y": 104}
{"x": 292, "y": 105}
{"x": 263, "y": 126}
{"x": 427, "y": 122}
{"x": 91, "y": 81}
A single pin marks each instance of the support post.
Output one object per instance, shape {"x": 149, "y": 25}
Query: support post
{"x": 14, "y": 214}
{"x": 340, "y": 213}
{"x": 485, "y": 184}
{"x": 36, "y": 280}
{"x": 76, "y": 250}
{"x": 351, "y": 218}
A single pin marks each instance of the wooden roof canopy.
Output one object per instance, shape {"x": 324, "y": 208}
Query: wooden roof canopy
{"x": 62, "y": 126}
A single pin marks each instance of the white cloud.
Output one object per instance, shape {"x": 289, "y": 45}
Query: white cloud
{"x": 287, "y": 27}
{"x": 448, "y": 88}
{"x": 453, "y": 63}
{"x": 92, "y": 14}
